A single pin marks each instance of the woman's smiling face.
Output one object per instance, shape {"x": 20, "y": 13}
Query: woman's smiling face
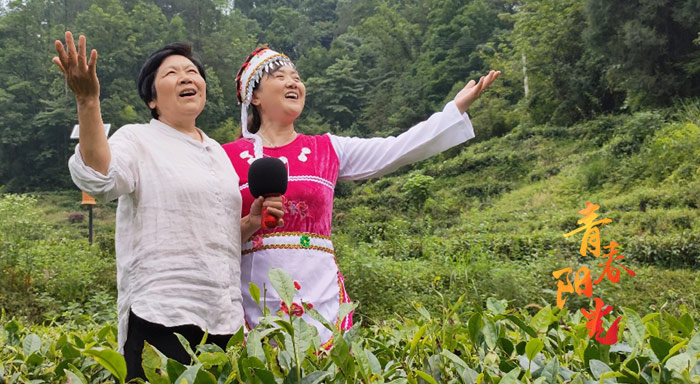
{"x": 180, "y": 89}
{"x": 281, "y": 95}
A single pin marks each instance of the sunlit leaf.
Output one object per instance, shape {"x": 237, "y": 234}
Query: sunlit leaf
{"x": 429, "y": 379}
{"x": 533, "y": 347}
{"x": 31, "y": 344}
{"x": 111, "y": 360}
{"x": 283, "y": 284}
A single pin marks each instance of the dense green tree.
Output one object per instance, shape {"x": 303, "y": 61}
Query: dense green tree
{"x": 648, "y": 47}
{"x": 372, "y": 67}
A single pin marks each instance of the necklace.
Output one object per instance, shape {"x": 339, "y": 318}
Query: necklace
{"x": 270, "y": 144}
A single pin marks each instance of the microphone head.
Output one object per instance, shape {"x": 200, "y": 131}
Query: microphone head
{"x": 267, "y": 176}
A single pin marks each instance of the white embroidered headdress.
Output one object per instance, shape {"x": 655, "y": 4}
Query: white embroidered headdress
{"x": 261, "y": 60}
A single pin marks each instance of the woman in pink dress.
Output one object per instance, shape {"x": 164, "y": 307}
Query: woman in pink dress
{"x": 269, "y": 84}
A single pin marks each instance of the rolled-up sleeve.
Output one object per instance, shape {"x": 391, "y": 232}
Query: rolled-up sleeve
{"x": 364, "y": 158}
{"x": 121, "y": 175}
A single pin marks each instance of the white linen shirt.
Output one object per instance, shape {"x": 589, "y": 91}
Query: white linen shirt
{"x": 177, "y": 229}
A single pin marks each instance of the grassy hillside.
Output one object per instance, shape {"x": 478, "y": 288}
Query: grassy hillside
{"x": 488, "y": 218}
{"x": 483, "y": 220}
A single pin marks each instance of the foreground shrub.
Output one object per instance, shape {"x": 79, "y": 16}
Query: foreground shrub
{"x": 458, "y": 344}
{"x": 43, "y": 268}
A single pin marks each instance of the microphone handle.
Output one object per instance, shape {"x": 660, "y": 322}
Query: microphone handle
{"x": 269, "y": 221}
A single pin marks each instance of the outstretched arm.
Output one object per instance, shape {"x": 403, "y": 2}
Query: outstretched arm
{"x": 81, "y": 76}
{"x": 365, "y": 158}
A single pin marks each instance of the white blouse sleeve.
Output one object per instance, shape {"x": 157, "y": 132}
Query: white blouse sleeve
{"x": 364, "y": 158}
{"x": 121, "y": 174}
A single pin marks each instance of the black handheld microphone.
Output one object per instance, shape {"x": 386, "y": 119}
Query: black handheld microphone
{"x": 267, "y": 177}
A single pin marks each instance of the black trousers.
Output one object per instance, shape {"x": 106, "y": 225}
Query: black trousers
{"x": 164, "y": 339}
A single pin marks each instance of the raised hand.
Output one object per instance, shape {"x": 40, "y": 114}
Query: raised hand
{"x": 81, "y": 74}
{"x": 473, "y": 90}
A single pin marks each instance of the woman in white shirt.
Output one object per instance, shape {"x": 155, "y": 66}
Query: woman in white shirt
{"x": 178, "y": 229}
{"x": 269, "y": 83}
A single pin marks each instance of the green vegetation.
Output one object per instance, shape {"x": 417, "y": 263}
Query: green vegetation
{"x": 464, "y": 250}
{"x": 372, "y": 67}
{"x": 450, "y": 260}
{"x": 454, "y": 345}
{"x": 497, "y": 212}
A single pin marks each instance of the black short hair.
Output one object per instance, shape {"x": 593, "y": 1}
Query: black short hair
{"x": 146, "y": 80}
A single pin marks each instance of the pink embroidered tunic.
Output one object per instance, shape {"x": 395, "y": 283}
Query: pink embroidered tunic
{"x": 303, "y": 247}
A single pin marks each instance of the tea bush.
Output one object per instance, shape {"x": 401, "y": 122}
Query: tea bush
{"x": 459, "y": 343}
{"x": 45, "y": 268}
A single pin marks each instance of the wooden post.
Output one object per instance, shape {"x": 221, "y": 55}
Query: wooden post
{"x": 89, "y": 201}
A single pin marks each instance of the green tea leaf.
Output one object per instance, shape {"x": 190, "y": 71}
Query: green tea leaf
{"x": 456, "y": 359}
{"x": 496, "y": 306}
{"x": 490, "y": 334}
{"x": 265, "y": 376}
{"x": 340, "y": 354}
{"x": 313, "y": 313}
{"x": 421, "y": 309}
{"x": 211, "y": 359}
{"x": 111, "y": 360}
{"x": 660, "y": 347}
{"x": 76, "y": 372}
{"x": 678, "y": 363}
{"x": 542, "y": 319}
{"x": 69, "y": 351}
{"x": 31, "y": 344}
{"x": 314, "y": 377}
{"x": 204, "y": 377}
{"x": 676, "y": 325}
{"x": 72, "y": 378}
{"x": 475, "y": 325}
{"x": 688, "y": 321}
{"x": 526, "y": 328}
{"x": 636, "y": 328}
{"x": 34, "y": 359}
{"x": 154, "y": 365}
{"x": 429, "y": 379}
{"x": 345, "y": 309}
{"x": 551, "y": 371}
{"x": 175, "y": 368}
{"x": 254, "y": 345}
{"x": 373, "y": 362}
{"x": 362, "y": 361}
{"x": 506, "y": 346}
{"x": 598, "y": 368}
{"x": 511, "y": 377}
{"x": 254, "y": 292}
{"x": 237, "y": 338}
{"x": 283, "y": 284}
{"x": 189, "y": 376}
{"x": 286, "y": 325}
{"x": 417, "y": 337}
{"x": 533, "y": 347}
{"x": 186, "y": 344}
{"x": 693, "y": 347}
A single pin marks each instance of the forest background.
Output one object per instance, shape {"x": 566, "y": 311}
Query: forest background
{"x": 598, "y": 102}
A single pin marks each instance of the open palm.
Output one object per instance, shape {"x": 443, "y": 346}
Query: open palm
{"x": 473, "y": 90}
{"x": 81, "y": 74}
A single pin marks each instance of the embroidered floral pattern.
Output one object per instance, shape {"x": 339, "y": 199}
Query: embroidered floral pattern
{"x": 257, "y": 242}
{"x": 305, "y": 241}
{"x": 246, "y": 155}
{"x": 302, "y": 156}
{"x": 297, "y": 208}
